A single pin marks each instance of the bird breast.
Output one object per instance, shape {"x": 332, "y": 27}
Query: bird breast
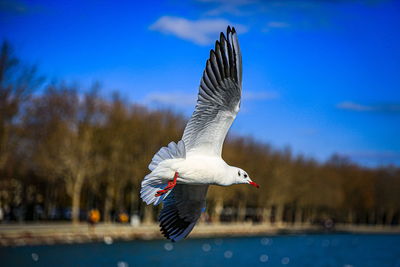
{"x": 201, "y": 170}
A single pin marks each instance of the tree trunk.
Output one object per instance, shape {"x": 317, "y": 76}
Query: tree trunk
{"x": 350, "y": 217}
{"x": 241, "y": 212}
{"x": 148, "y": 214}
{"x": 133, "y": 208}
{"x": 279, "y": 214}
{"x": 3, "y": 144}
{"x": 108, "y": 203}
{"x": 379, "y": 217}
{"x": 389, "y": 217}
{"x": 218, "y": 207}
{"x": 312, "y": 215}
{"x": 298, "y": 216}
{"x": 266, "y": 216}
{"x": 397, "y": 222}
{"x": 371, "y": 217}
{"x": 76, "y": 199}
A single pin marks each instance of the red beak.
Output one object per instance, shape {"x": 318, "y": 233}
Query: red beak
{"x": 254, "y": 184}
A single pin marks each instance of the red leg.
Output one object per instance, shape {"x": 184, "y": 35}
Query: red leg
{"x": 171, "y": 184}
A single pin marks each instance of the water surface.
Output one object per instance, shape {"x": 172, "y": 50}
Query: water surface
{"x": 343, "y": 250}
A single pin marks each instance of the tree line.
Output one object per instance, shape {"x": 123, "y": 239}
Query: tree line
{"x": 65, "y": 150}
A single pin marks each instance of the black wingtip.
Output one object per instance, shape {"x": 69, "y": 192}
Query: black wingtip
{"x": 172, "y": 226}
{"x": 230, "y": 30}
{"x": 212, "y": 52}
{"x": 222, "y": 38}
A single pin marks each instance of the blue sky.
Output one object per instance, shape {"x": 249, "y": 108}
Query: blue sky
{"x": 322, "y": 77}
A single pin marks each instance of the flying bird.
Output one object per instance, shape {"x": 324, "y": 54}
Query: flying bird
{"x": 182, "y": 172}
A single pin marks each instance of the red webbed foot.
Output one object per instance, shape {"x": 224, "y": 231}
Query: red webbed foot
{"x": 171, "y": 184}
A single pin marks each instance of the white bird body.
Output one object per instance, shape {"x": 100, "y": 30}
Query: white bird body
{"x": 198, "y": 169}
{"x": 182, "y": 172}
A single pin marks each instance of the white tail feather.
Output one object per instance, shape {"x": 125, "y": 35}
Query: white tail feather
{"x": 172, "y": 151}
{"x": 153, "y": 182}
{"x": 149, "y": 191}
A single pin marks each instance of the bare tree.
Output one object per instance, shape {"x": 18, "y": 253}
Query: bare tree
{"x": 63, "y": 125}
{"x": 17, "y": 81}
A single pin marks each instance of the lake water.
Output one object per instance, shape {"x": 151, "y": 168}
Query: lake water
{"x": 342, "y": 250}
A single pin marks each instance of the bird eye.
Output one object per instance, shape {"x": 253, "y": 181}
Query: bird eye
{"x": 239, "y": 173}
{"x": 245, "y": 176}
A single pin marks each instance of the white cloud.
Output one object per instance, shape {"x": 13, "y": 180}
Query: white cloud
{"x": 278, "y": 24}
{"x": 232, "y": 7}
{"x": 353, "y": 106}
{"x": 171, "y": 99}
{"x": 263, "y": 95}
{"x": 187, "y": 100}
{"x": 308, "y": 131}
{"x": 202, "y": 31}
{"x": 275, "y": 25}
{"x": 393, "y": 108}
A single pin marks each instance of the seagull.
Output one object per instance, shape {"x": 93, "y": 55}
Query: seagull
{"x": 182, "y": 172}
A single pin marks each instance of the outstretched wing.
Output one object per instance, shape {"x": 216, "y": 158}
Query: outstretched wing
{"x": 218, "y": 99}
{"x": 181, "y": 210}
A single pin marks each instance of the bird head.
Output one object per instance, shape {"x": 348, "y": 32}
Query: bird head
{"x": 243, "y": 178}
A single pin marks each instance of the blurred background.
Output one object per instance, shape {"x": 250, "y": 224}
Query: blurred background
{"x": 90, "y": 90}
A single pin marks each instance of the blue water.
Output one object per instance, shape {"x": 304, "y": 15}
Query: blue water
{"x": 343, "y": 250}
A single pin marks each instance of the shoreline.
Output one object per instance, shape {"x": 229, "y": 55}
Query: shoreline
{"x": 66, "y": 233}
